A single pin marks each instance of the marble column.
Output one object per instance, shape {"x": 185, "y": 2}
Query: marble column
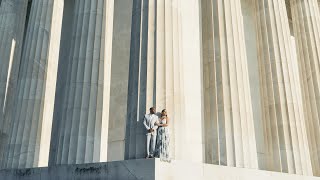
{"x": 32, "y": 108}
{"x": 229, "y": 133}
{"x": 306, "y": 25}
{"x": 162, "y": 56}
{"x": 119, "y": 79}
{"x": 82, "y": 113}
{"x": 284, "y": 126}
{"x": 12, "y": 74}
{"x": 7, "y": 47}
{"x": 188, "y": 105}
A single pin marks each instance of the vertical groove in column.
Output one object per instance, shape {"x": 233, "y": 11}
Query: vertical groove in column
{"x": 161, "y": 54}
{"x": 211, "y": 135}
{"x": 177, "y": 90}
{"x": 168, "y": 68}
{"x": 143, "y": 72}
{"x": 169, "y": 56}
{"x": 227, "y": 98}
{"x": 306, "y": 25}
{"x": 151, "y": 53}
{"x": 84, "y": 118}
{"x": 284, "y": 131}
{"x": 25, "y": 135}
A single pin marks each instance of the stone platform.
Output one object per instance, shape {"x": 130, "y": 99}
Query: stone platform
{"x": 151, "y": 169}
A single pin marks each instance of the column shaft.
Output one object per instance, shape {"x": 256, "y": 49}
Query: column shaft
{"x": 306, "y": 25}
{"x": 33, "y": 104}
{"x": 9, "y": 79}
{"x": 6, "y": 40}
{"x": 7, "y": 46}
{"x": 82, "y": 133}
{"x": 119, "y": 79}
{"x": 151, "y": 53}
{"x": 284, "y": 130}
{"x": 229, "y": 130}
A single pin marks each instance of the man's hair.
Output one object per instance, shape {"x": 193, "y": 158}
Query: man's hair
{"x": 151, "y": 108}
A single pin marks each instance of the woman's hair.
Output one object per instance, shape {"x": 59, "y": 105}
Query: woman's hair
{"x": 164, "y": 111}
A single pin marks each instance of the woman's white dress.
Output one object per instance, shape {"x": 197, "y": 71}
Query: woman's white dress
{"x": 163, "y": 141}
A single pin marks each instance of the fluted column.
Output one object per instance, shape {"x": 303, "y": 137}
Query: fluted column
{"x": 162, "y": 55}
{"x": 11, "y": 44}
{"x": 7, "y": 47}
{"x": 284, "y": 125}
{"x": 82, "y": 132}
{"x": 229, "y": 128}
{"x": 32, "y": 108}
{"x": 306, "y": 25}
{"x": 12, "y": 78}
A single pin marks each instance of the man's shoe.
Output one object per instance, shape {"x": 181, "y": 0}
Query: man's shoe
{"x": 151, "y": 156}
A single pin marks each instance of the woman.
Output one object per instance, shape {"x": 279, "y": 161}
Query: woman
{"x": 163, "y": 140}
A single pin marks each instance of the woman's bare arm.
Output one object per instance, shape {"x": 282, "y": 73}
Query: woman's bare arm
{"x": 158, "y": 124}
{"x": 167, "y": 124}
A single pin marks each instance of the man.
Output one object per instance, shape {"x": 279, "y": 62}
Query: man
{"x": 149, "y": 123}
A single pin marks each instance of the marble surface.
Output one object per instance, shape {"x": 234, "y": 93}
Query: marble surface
{"x": 12, "y": 77}
{"x": 189, "y": 171}
{"x": 228, "y": 118}
{"x": 124, "y": 170}
{"x": 119, "y": 79}
{"x": 33, "y": 103}
{"x": 307, "y": 40}
{"x": 151, "y": 169}
{"x": 285, "y": 134}
{"x": 83, "y": 115}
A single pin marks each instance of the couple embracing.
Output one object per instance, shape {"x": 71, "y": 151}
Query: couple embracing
{"x": 157, "y": 134}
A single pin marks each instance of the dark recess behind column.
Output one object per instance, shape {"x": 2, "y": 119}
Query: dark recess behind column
{"x": 25, "y": 28}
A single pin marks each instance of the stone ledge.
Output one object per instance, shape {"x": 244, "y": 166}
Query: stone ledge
{"x": 145, "y": 170}
{"x": 122, "y": 170}
{"x": 197, "y": 171}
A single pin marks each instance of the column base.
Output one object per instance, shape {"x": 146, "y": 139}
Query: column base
{"x": 143, "y": 169}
